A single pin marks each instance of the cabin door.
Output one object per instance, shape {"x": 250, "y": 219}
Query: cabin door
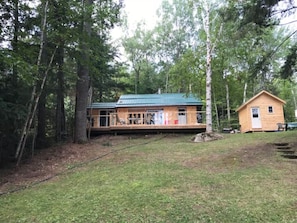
{"x": 156, "y": 117}
{"x": 104, "y": 117}
{"x": 182, "y": 117}
{"x": 256, "y": 119}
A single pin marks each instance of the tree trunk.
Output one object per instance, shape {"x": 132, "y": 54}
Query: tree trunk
{"x": 82, "y": 86}
{"x": 41, "y": 121}
{"x": 228, "y": 102}
{"x": 137, "y": 79}
{"x": 60, "y": 110}
{"x": 41, "y": 115}
{"x": 217, "y": 112}
{"x": 83, "y": 81}
{"x": 244, "y": 92}
{"x": 15, "y": 43}
{"x": 208, "y": 71}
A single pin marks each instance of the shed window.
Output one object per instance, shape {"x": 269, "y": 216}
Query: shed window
{"x": 270, "y": 109}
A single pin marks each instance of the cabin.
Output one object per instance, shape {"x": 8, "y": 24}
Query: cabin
{"x": 263, "y": 112}
{"x": 148, "y": 113}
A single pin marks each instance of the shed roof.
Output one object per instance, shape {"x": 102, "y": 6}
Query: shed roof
{"x": 149, "y": 100}
{"x": 259, "y": 94}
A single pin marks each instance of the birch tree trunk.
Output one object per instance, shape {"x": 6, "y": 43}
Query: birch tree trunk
{"x": 228, "y": 102}
{"x": 244, "y": 92}
{"x": 208, "y": 70}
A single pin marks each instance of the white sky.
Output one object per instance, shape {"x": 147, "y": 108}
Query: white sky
{"x": 137, "y": 11}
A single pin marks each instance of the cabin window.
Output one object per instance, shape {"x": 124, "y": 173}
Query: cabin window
{"x": 255, "y": 112}
{"x": 104, "y": 117}
{"x": 270, "y": 109}
{"x": 155, "y": 117}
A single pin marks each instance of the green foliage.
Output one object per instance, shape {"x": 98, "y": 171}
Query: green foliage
{"x": 256, "y": 14}
{"x": 140, "y": 48}
{"x": 188, "y": 74}
{"x": 20, "y": 46}
{"x": 289, "y": 68}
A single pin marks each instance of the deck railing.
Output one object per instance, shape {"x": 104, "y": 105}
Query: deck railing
{"x": 147, "y": 118}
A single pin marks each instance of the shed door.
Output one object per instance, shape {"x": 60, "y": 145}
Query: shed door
{"x": 256, "y": 119}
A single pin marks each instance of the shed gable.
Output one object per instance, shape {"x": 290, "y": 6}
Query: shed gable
{"x": 259, "y": 98}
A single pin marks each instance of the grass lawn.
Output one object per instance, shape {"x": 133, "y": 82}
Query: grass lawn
{"x": 168, "y": 178}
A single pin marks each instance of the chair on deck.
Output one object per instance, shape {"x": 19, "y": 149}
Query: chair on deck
{"x": 120, "y": 120}
{"x": 150, "y": 119}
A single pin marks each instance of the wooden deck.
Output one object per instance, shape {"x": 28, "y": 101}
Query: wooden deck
{"x": 150, "y": 128}
{"x": 145, "y": 122}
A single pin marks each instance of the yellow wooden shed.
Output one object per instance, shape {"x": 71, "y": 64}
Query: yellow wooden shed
{"x": 263, "y": 112}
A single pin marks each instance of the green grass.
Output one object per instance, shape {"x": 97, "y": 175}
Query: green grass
{"x": 169, "y": 179}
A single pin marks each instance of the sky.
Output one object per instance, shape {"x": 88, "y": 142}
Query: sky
{"x": 137, "y": 11}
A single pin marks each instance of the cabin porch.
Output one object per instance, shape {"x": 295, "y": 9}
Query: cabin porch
{"x": 149, "y": 121}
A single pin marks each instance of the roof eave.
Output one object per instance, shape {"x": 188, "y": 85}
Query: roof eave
{"x": 257, "y": 95}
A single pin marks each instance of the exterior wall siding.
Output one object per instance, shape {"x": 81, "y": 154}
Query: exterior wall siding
{"x": 192, "y": 115}
{"x": 169, "y": 115}
{"x": 244, "y": 120}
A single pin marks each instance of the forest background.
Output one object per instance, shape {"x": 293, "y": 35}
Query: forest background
{"x": 57, "y": 57}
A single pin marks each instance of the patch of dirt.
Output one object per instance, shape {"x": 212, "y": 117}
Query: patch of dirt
{"x": 49, "y": 162}
{"x": 240, "y": 158}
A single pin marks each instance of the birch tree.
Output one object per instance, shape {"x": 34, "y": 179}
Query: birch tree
{"x": 206, "y": 24}
{"x": 205, "y": 9}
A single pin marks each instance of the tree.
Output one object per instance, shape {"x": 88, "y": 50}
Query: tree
{"x": 175, "y": 36}
{"x": 206, "y": 9}
{"x": 95, "y": 18}
{"x": 83, "y": 80}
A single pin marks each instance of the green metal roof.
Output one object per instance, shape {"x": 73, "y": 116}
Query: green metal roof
{"x": 149, "y": 100}
{"x": 103, "y": 105}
